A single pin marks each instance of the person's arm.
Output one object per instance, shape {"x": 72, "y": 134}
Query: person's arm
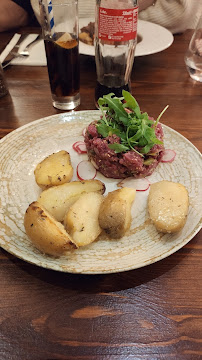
{"x": 144, "y": 4}
{"x": 12, "y": 15}
{"x": 175, "y": 15}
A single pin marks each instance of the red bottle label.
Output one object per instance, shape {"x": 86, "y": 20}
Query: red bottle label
{"x": 118, "y": 24}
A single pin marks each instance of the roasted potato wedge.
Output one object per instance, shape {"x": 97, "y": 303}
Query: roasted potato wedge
{"x": 85, "y": 37}
{"x": 58, "y": 199}
{"x": 47, "y": 234}
{"x": 56, "y": 169}
{"x": 81, "y": 221}
{"x": 115, "y": 212}
{"x": 168, "y": 204}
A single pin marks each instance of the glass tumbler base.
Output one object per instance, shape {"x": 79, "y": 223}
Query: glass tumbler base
{"x": 67, "y": 102}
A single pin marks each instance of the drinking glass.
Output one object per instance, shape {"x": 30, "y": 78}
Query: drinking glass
{"x": 3, "y": 87}
{"x": 193, "y": 56}
{"x": 59, "y": 21}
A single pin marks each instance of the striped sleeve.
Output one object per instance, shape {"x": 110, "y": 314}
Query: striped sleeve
{"x": 86, "y": 8}
{"x": 175, "y": 15}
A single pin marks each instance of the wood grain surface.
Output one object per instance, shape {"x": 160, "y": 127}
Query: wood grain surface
{"x": 150, "y": 313}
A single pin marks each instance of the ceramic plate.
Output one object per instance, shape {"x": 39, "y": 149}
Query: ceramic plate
{"x": 24, "y": 148}
{"x": 154, "y": 38}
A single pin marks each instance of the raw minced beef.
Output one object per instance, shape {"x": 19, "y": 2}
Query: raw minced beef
{"x": 124, "y": 164}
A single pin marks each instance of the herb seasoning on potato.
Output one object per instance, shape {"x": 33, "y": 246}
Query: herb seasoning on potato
{"x": 54, "y": 170}
{"x": 168, "y": 204}
{"x": 47, "y": 234}
{"x": 115, "y": 212}
{"x": 81, "y": 221}
{"x": 58, "y": 199}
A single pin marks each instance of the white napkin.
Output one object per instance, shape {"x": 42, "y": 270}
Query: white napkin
{"x": 37, "y": 53}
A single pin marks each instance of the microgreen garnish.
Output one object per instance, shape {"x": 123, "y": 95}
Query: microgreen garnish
{"x": 134, "y": 128}
{"x": 162, "y": 112}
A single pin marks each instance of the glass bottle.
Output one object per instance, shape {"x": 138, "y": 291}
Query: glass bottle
{"x": 115, "y": 42}
{"x": 3, "y": 87}
{"x": 193, "y": 56}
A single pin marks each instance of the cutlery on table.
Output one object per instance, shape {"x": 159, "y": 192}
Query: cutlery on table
{"x": 15, "y": 53}
{"x": 26, "y": 50}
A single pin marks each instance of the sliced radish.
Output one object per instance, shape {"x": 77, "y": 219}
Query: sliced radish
{"x": 167, "y": 155}
{"x": 85, "y": 170}
{"x": 137, "y": 184}
{"x": 80, "y": 147}
{"x": 84, "y": 132}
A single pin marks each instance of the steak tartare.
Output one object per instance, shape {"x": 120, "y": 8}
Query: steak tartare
{"x": 124, "y": 142}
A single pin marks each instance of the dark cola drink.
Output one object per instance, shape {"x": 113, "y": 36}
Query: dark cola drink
{"x": 113, "y": 71}
{"x": 63, "y": 69}
{"x": 101, "y": 90}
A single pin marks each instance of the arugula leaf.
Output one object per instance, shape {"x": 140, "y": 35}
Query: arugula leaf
{"x": 118, "y": 147}
{"x": 103, "y": 130}
{"x": 101, "y": 101}
{"x": 142, "y": 141}
{"x": 131, "y": 103}
{"x": 137, "y": 136}
{"x": 149, "y": 134}
{"x": 123, "y": 120}
{"x": 146, "y": 148}
{"x": 106, "y": 130}
{"x": 156, "y": 141}
{"x": 137, "y": 112}
{"x": 116, "y": 105}
{"x": 130, "y": 100}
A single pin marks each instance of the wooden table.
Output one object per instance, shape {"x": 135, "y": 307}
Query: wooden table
{"x": 150, "y": 313}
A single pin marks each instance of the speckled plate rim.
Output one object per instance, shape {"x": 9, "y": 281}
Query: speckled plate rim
{"x": 73, "y": 116}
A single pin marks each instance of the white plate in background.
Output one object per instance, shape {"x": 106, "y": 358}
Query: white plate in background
{"x": 155, "y": 38}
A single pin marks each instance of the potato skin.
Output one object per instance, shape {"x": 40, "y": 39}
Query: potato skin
{"x": 48, "y": 235}
{"x": 54, "y": 170}
{"x": 115, "y": 212}
{"x": 58, "y": 199}
{"x": 81, "y": 221}
{"x": 168, "y": 205}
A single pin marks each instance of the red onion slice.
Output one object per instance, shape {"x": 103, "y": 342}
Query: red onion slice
{"x": 80, "y": 147}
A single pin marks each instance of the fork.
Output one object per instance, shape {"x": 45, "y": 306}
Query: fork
{"x": 25, "y": 51}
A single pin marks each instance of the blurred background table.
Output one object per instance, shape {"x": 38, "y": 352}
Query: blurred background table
{"x": 150, "y": 313}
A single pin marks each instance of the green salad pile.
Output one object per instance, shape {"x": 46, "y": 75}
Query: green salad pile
{"x": 123, "y": 117}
